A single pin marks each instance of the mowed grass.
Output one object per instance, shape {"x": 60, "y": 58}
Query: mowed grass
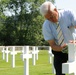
{"x": 42, "y": 67}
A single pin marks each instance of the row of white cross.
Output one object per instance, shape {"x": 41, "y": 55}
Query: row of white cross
{"x": 6, "y": 51}
{"x": 67, "y": 68}
{"x": 25, "y": 55}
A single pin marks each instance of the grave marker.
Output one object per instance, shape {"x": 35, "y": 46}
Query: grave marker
{"x": 3, "y": 53}
{"x": 70, "y": 66}
{"x": 33, "y": 56}
{"x": 13, "y": 53}
{"x": 37, "y": 52}
{"x": 51, "y": 58}
{"x": 26, "y": 57}
{"x": 7, "y": 53}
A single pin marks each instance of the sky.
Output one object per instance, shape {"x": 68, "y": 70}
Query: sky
{"x": 66, "y": 4}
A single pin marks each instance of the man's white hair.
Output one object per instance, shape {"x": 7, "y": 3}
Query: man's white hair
{"x": 44, "y": 7}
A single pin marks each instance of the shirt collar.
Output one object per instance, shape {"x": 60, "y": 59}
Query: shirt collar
{"x": 59, "y": 15}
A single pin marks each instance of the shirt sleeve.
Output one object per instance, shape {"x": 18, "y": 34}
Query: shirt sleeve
{"x": 73, "y": 18}
{"x": 46, "y": 31}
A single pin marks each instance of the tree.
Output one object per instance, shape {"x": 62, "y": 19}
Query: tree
{"x": 25, "y": 27}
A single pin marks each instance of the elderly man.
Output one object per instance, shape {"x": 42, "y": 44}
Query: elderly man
{"x": 66, "y": 19}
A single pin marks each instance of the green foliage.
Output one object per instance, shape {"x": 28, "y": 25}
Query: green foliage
{"x": 25, "y": 27}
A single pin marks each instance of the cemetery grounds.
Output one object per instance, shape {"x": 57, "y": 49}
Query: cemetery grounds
{"x": 42, "y": 67}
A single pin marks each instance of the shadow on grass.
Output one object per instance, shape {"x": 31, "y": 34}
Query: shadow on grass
{"x": 47, "y": 73}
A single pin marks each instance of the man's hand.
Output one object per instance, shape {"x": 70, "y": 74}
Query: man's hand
{"x": 72, "y": 41}
{"x": 64, "y": 45}
{"x": 65, "y": 48}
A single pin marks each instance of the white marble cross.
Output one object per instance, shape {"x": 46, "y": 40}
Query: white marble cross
{"x": 51, "y": 58}
{"x": 37, "y": 51}
{"x": 70, "y": 66}
{"x": 23, "y": 52}
{"x": 3, "y": 53}
{"x": 50, "y": 55}
{"x": 26, "y": 57}
{"x": 34, "y": 55}
{"x": 7, "y": 53}
{"x": 13, "y": 53}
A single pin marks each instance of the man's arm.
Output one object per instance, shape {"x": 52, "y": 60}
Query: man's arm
{"x": 55, "y": 47}
{"x": 74, "y": 26}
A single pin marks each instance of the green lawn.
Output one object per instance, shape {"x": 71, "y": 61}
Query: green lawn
{"x": 42, "y": 67}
